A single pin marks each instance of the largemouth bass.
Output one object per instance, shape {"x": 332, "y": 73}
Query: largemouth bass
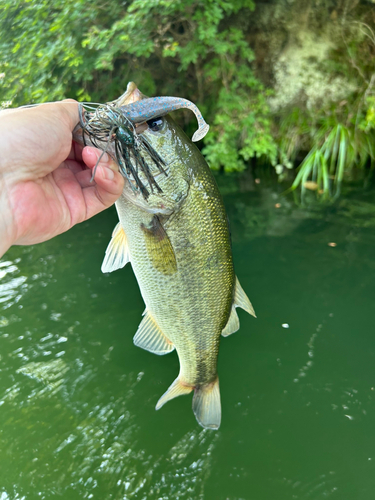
{"x": 178, "y": 243}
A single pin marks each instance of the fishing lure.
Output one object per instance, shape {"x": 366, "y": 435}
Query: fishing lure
{"x": 151, "y": 107}
{"x": 114, "y": 123}
{"x": 107, "y": 124}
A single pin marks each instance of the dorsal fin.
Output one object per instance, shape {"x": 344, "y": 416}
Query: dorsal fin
{"x": 150, "y": 337}
{"x": 242, "y": 300}
{"x": 117, "y": 253}
{"x": 233, "y": 323}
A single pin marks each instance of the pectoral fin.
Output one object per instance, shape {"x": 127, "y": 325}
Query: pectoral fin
{"x": 150, "y": 337}
{"x": 159, "y": 247}
{"x": 175, "y": 390}
{"x": 117, "y": 253}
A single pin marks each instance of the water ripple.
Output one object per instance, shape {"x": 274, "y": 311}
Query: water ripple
{"x": 323, "y": 486}
{"x": 12, "y": 286}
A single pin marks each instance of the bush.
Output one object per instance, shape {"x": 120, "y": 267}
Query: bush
{"x": 89, "y": 50}
{"x": 202, "y": 50}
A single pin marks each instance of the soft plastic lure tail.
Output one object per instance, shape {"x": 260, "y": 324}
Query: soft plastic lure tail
{"x": 152, "y": 107}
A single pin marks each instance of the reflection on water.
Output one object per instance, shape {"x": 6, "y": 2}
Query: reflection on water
{"x": 68, "y": 421}
{"x": 12, "y": 286}
{"x": 311, "y": 344}
{"x": 50, "y": 374}
{"x": 85, "y": 447}
{"x": 77, "y": 398}
{"x": 323, "y": 486}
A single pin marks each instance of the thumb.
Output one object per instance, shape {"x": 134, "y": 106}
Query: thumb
{"x": 68, "y": 109}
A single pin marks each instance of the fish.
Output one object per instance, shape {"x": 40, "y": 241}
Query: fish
{"x": 178, "y": 243}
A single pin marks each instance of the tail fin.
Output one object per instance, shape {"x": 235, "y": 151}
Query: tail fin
{"x": 176, "y": 389}
{"x": 207, "y": 406}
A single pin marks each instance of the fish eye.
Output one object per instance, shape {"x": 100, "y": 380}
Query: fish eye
{"x": 156, "y": 124}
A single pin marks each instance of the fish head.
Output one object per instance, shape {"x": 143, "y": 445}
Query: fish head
{"x": 156, "y": 159}
{"x": 170, "y": 142}
{"x": 178, "y": 153}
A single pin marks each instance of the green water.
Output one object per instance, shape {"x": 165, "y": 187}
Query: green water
{"x": 77, "y": 418}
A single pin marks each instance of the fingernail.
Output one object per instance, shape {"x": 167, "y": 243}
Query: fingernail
{"x": 104, "y": 158}
{"x": 108, "y": 174}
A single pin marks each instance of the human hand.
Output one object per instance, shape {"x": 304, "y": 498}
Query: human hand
{"x": 45, "y": 177}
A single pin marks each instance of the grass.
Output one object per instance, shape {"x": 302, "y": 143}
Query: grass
{"x": 337, "y": 151}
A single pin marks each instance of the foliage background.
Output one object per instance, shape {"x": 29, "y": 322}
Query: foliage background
{"x": 281, "y": 81}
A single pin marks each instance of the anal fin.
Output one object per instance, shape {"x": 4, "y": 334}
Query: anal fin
{"x": 207, "y": 405}
{"x": 117, "y": 252}
{"x": 150, "y": 337}
{"x": 175, "y": 390}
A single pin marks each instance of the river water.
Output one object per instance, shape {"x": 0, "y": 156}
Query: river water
{"x": 77, "y": 398}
